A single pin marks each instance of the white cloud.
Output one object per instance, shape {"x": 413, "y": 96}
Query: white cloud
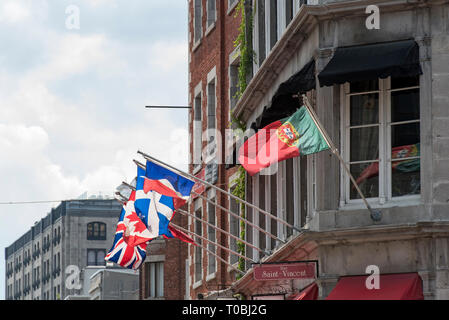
{"x": 73, "y": 120}
{"x": 14, "y": 12}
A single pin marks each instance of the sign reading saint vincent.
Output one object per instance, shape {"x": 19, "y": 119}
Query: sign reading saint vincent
{"x": 281, "y": 140}
{"x": 285, "y": 271}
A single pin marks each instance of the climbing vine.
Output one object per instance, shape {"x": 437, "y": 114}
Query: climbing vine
{"x": 246, "y": 54}
{"x": 239, "y": 191}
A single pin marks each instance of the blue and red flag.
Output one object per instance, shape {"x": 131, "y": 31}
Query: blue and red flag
{"x": 131, "y": 237}
{"x": 159, "y": 192}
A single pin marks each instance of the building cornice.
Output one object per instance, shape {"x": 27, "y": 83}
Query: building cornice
{"x": 308, "y": 241}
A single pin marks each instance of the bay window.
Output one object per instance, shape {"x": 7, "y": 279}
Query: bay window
{"x": 381, "y": 138}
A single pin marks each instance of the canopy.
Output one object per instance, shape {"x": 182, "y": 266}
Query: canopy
{"x": 404, "y": 286}
{"x": 309, "y": 293}
{"x": 283, "y": 104}
{"x": 367, "y": 62}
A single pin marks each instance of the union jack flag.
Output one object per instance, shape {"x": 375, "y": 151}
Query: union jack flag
{"x": 159, "y": 192}
{"x": 131, "y": 237}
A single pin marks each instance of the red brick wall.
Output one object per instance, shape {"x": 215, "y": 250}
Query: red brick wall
{"x": 175, "y": 252}
{"x": 213, "y": 51}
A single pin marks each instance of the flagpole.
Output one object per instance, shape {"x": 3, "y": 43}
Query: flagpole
{"x": 255, "y": 226}
{"x": 217, "y": 256}
{"x": 374, "y": 215}
{"x": 222, "y": 231}
{"x": 222, "y": 208}
{"x": 219, "y": 189}
{"x": 213, "y": 243}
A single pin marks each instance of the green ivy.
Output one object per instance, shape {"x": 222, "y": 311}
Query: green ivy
{"x": 239, "y": 191}
{"x": 246, "y": 55}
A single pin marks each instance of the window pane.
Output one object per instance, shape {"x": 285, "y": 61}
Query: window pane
{"x": 289, "y": 205}
{"x": 367, "y": 177}
{"x": 96, "y": 230}
{"x": 406, "y": 82}
{"x": 91, "y": 258}
{"x": 262, "y": 237}
{"x": 364, "y": 144}
{"x": 364, "y": 109}
{"x": 405, "y": 134}
{"x": 90, "y": 230}
{"x": 405, "y": 105}
{"x": 100, "y": 258}
{"x": 364, "y": 86}
{"x": 406, "y": 177}
{"x": 233, "y": 228}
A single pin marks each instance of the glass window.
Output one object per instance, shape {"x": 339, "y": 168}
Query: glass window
{"x": 396, "y": 117}
{"x": 96, "y": 231}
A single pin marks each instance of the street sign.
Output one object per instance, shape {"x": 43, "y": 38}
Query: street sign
{"x": 285, "y": 271}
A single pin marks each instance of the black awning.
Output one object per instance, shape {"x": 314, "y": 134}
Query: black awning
{"x": 283, "y": 104}
{"x": 367, "y": 62}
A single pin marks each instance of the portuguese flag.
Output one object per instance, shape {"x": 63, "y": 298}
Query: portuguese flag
{"x": 283, "y": 139}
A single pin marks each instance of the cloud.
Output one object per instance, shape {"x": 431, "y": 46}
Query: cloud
{"x": 14, "y": 12}
{"x": 72, "y": 113}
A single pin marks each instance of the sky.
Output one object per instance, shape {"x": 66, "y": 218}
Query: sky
{"x": 75, "y": 77}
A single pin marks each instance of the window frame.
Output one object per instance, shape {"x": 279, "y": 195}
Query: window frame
{"x": 385, "y": 197}
{"x": 211, "y": 259}
{"x": 100, "y": 236}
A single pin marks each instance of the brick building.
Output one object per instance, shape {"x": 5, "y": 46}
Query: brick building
{"x": 397, "y": 74}
{"x": 163, "y": 275}
{"x": 213, "y": 63}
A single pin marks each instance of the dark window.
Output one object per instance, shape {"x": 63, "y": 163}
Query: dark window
{"x": 96, "y": 231}
{"x": 95, "y": 257}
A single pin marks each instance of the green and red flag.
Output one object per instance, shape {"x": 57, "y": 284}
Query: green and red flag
{"x": 281, "y": 140}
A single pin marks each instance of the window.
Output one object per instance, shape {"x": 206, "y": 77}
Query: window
{"x": 272, "y": 23}
{"x": 232, "y": 4}
{"x": 198, "y": 250}
{"x": 211, "y": 120}
{"x": 211, "y": 12}
{"x": 234, "y": 59}
{"x": 211, "y": 218}
{"x": 234, "y": 227}
{"x": 197, "y": 127}
{"x": 198, "y": 23}
{"x": 96, "y": 231}
{"x": 289, "y": 9}
{"x": 154, "y": 275}
{"x": 95, "y": 257}
{"x": 382, "y": 138}
{"x": 260, "y": 32}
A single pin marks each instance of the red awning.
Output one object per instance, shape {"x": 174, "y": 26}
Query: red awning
{"x": 309, "y": 293}
{"x": 404, "y": 286}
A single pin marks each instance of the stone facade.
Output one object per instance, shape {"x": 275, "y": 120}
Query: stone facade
{"x": 57, "y": 241}
{"x": 413, "y": 233}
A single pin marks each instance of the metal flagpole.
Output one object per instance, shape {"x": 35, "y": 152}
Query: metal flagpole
{"x": 217, "y": 256}
{"x": 218, "y": 189}
{"x": 182, "y": 229}
{"x": 255, "y": 226}
{"x": 213, "y": 243}
{"x": 374, "y": 214}
{"x": 222, "y": 231}
{"x": 224, "y": 209}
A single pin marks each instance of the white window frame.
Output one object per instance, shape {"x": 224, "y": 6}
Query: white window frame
{"x": 197, "y": 36}
{"x": 197, "y": 130}
{"x": 198, "y": 205}
{"x": 231, "y": 5}
{"x": 211, "y": 25}
{"x": 385, "y": 198}
{"x": 232, "y": 183}
{"x": 211, "y": 195}
{"x": 211, "y": 78}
